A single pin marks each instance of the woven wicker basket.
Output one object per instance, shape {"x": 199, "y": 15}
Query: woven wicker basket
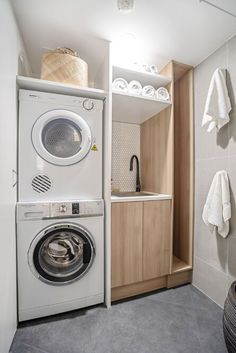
{"x": 64, "y": 65}
{"x": 229, "y": 319}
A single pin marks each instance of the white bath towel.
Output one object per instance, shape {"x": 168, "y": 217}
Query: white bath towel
{"x": 217, "y": 108}
{"x": 217, "y": 210}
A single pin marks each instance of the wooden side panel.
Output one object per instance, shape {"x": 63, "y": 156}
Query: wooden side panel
{"x": 179, "y": 69}
{"x": 183, "y": 168}
{"x": 126, "y": 245}
{"x": 156, "y": 153}
{"x": 157, "y": 148}
{"x": 156, "y": 238}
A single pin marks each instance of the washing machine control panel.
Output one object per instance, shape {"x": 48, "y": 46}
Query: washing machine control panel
{"x": 60, "y": 209}
{"x": 77, "y": 208}
{"x": 31, "y": 211}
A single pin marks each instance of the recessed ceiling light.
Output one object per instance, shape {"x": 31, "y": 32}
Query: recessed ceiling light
{"x": 125, "y": 6}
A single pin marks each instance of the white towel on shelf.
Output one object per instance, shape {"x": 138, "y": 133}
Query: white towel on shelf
{"x": 217, "y": 108}
{"x": 217, "y": 210}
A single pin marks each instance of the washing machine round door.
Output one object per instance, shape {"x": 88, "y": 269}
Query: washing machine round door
{"x": 61, "y": 254}
{"x": 61, "y": 137}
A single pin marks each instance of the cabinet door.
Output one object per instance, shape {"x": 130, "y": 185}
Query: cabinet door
{"x": 126, "y": 250}
{"x": 156, "y": 238}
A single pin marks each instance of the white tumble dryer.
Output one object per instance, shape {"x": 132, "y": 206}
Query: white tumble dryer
{"x": 60, "y": 147}
{"x": 60, "y": 256}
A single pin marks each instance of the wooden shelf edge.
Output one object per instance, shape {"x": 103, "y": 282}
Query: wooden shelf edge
{"x": 36, "y": 84}
{"x": 179, "y": 265}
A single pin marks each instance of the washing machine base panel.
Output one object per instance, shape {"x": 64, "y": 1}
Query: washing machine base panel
{"x": 41, "y": 311}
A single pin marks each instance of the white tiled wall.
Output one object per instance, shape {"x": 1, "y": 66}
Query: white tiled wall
{"x": 214, "y": 257}
{"x": 125, "y": 143}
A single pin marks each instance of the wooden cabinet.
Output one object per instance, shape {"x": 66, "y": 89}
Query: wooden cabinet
{"x": 164, "y": 258}
{"x": 141, "y": 241}
{"x": 126, "y": 254}
{"x": 156, "y": 238}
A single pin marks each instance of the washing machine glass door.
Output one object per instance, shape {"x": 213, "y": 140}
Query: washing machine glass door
{"x": 61, "y": 254}
{"x": 61, "y": 137}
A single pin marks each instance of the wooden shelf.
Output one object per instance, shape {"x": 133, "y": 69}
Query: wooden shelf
{"x": 145, "y": 78}
{"x": 35, "y": 84}
{"x": 179, "y": 265}
{"x": 134, "y": 109}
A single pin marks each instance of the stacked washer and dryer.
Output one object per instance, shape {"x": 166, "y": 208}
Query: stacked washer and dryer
{"x": 60, "y": 210}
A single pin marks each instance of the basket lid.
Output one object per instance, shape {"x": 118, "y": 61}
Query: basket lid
{"x": 65, "y": 50}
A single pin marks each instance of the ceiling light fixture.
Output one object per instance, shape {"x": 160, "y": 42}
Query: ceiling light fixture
{"x": 125, "y": 6}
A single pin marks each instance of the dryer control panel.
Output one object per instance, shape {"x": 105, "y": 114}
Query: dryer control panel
{"x": 46, "y": 210}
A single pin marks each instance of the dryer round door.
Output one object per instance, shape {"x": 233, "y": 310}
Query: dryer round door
{"x": 61, "y": 253}
{"x": 61, "y": 137}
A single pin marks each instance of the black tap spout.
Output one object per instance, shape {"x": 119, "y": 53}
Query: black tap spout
{"x": 138, "y": 184}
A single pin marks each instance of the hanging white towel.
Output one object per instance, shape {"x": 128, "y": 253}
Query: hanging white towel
{"x": 217, "y": 210}
{"x": 217, "y": 108}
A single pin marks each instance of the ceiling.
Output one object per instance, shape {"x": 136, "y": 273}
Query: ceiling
{"x": 155, "y": 32}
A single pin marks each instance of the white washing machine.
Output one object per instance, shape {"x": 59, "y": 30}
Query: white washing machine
{"x": 60, "y": 255}
{"x": 60, "y": 147}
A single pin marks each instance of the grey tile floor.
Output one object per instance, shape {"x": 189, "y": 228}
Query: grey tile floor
{"x": 180, "y": 320}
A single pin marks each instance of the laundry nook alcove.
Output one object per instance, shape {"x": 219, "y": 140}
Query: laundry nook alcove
{"x": 117, "y": 183}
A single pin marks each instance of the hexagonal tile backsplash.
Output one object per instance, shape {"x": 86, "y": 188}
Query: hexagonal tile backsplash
{"x": 125, "y": 143}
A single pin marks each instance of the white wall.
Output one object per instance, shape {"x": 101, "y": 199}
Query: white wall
{"x": 125, "y": 143}
{"x": 11, "y": 47}
{"x": 214, "y": 257}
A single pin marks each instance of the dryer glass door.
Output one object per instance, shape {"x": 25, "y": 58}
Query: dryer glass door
{"x": 61, "y": 137}
{"x": 61, "y": 254}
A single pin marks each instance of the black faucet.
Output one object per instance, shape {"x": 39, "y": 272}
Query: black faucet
{"x": 138, "y": 185}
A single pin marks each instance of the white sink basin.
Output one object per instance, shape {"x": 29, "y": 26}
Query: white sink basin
{"x": 138, "y": 196}
{"x": 133, "y": 194}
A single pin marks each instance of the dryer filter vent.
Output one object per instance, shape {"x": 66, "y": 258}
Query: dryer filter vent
{"x": 41, "y": 183}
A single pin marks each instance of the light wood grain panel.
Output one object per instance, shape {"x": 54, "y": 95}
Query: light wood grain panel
{"x": 157, "y": 154}
{"x": 179, "y": 265}
{"x": 177, "y": 279}
{"x": 138, "y": 288}
{"x": 156, "y": 238}
{"x": 126, "y": 249}
{"x": 183, "y": 168}
{"x": 157, "y": 145}
{"x": 167, "y": 70}
{"x": 179, "y": 69}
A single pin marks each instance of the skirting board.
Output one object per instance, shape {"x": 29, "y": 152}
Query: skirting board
{"x": 134, "y": 289}
{"x": 176, "y": 279}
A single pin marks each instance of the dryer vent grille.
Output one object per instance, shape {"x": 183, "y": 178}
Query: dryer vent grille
{"x": 41, "y": 183}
